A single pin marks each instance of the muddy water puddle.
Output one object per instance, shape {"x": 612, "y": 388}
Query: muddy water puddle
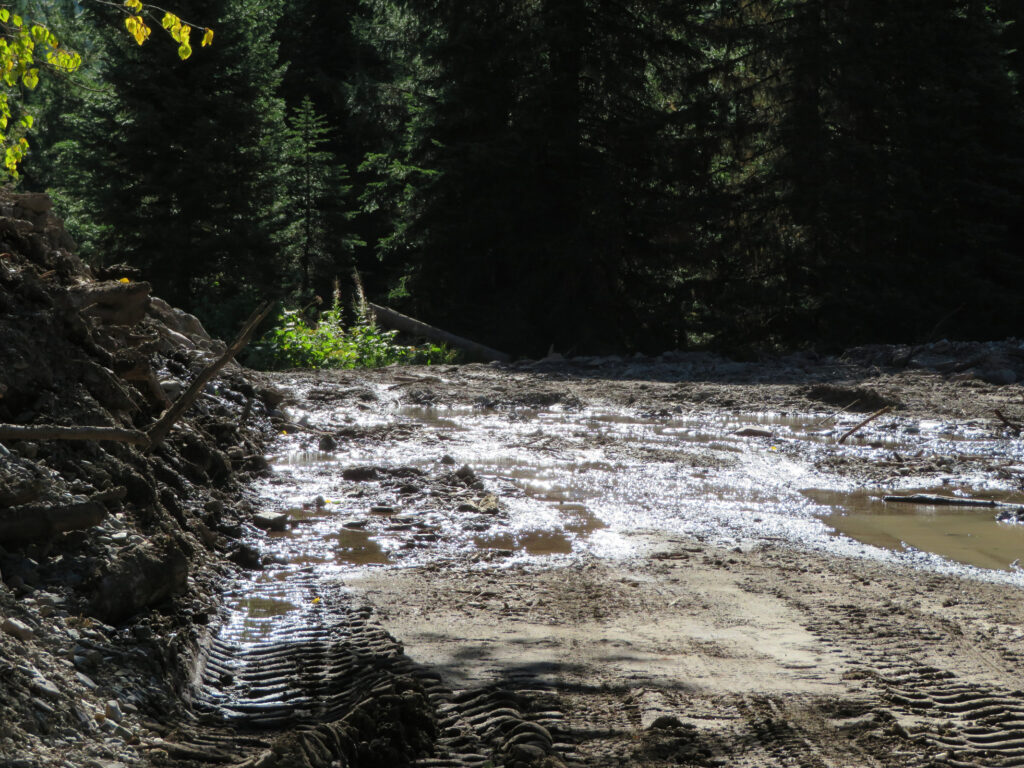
{"x": 563, "y": 483}
{"x": 966, "y": 535}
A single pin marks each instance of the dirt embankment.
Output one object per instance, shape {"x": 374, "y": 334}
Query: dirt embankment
{"x": 108, "y": 551}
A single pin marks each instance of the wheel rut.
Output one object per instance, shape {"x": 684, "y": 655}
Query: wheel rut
{"x": 326, "y": 685}
{"x": 949, "y": 718}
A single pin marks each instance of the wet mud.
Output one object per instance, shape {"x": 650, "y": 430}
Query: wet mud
{"x": 656, "y": 579}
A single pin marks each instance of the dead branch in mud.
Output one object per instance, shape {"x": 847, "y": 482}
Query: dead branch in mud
{"x": 866, "y": 421}
{"x": 414, "y": 327}
{"x": 53, "y": 432}
{"x": 942, "y": 501}
{"x": 1015, "y": 427}
{"x": 159, "y": 431}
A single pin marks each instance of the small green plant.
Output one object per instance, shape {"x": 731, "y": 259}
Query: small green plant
{"x": 295, "y": 342}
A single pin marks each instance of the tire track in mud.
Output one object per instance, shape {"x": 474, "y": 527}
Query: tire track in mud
{"x": 328, "y": 664}
{"x": 946, "y": 717}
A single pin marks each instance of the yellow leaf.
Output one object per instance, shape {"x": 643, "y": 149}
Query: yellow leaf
{"x": 135, "y": 5}
{"x": 207, "y": 38}
{"x": 316, "y": 600}
{"x": 137, "y": 28}
{"x": 184, "y": 51}
{"x": 5, "y": 15}
{"x": 170, "y": 20}
{"x": 124, "y": 280}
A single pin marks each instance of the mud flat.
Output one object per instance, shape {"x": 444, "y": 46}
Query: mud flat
{"x": 737, "y": 627}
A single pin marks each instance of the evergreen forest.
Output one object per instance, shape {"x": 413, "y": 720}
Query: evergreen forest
{"x": 588, "y": 176}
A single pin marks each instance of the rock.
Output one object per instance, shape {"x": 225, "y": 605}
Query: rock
{"x": 43, "y": 686}
{"x": 18, "y": 629}
{"x": 355, "y": 524}
{"x": 87, "y": 681}
{"x": 327, "y": 443}
{"x": 270, "y": 521}
{"x": 140, "y": 576}
{"x": 171, "y": 388}
{"x": 360, "y": 474}
{"x": 113, "y": 710}
{"x": 489, "y": 505}
{"x": 381, "y": 509}
{"x": 246, "y": 556}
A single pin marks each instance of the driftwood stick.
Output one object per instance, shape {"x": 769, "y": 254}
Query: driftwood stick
{"x": 866, "y": 421}
{"x": 414, "y": 327}
{"x": 159, "y": 431}
{"x": 51, "y": 432}
{"x": 941, "y": 501}
{"x": 837, "y": 414}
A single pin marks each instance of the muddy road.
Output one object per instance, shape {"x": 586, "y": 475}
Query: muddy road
{"x": 666, "y": 562}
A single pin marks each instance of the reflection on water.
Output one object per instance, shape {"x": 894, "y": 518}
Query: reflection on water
{"x": 357, "y": 548}
{"x": 963, "y": 534}
{"x": 573, "y": 481}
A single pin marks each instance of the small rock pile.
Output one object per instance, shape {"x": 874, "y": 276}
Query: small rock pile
{"x": 108, "y": 551}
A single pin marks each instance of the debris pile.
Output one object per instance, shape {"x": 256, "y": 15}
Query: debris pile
{"x": 109, "y": 546}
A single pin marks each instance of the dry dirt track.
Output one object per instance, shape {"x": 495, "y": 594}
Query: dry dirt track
{"x": 692, "y": 654}
{"x": 762, "y": 658}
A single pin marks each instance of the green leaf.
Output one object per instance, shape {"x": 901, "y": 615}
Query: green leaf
{"x": 5, "y": 15}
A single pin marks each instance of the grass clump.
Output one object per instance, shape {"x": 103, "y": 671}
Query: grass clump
{"x": 296, "y": 342}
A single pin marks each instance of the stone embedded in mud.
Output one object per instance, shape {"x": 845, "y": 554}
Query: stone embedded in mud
{"x": 382, "y": 510}
{"x": 489, "y": 505}
{"x": 17, "y": 629}
{"x": 246, "y": 556}
{"x": 270, "y": 521}
{"x": 360, "y": 474}
{"x": 113, "y": 710}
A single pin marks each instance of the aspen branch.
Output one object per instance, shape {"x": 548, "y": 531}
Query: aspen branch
{"x": 159, "y": 431}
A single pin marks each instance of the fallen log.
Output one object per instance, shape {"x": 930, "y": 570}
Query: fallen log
{"x": 413, "y": 327}
{"x": 159, "y": 431}
{"x": 52, "y": 432}
{"x": 866, "y": 421}
{"x": 941, "y": 501}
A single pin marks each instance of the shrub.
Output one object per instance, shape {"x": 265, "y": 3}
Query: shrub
{"x": 294, "y": 342}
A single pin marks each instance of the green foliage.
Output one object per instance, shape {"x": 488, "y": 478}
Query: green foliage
{"x": 295, "y": 342}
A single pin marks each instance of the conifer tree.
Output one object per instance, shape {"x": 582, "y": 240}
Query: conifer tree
{"x": 318, "y": 240}
{"x": 177, "y": 164}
